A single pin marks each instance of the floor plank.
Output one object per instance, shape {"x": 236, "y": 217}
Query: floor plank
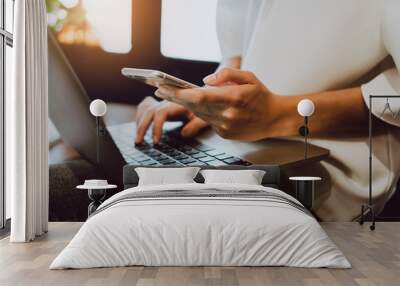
{"x": 375, "y": 257}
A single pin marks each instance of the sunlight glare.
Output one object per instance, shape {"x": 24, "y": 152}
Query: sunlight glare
{"x": 111, "y": 21}
{"x": 188, "y": 30}
{"x": 69, "y": 3}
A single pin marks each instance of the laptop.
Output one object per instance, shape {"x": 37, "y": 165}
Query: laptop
{"x": 69, "y": 111}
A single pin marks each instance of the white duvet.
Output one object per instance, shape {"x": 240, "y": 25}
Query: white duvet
{"x": 200, "y": 231}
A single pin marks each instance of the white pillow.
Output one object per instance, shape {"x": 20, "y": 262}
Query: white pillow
{"x": 248, "y": 177}
{"x": 165, "y": 176}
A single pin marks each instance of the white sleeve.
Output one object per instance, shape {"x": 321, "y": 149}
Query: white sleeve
{"x": 231, "y": 22}
{"x": 388, "y": 82}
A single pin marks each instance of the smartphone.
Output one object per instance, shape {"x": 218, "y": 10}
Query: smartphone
{"x": 156, "y": 78}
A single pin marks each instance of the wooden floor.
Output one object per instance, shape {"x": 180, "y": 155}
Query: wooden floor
{"x": 375, "y": 257}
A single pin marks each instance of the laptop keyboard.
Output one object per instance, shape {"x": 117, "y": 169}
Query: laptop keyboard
{"x": 172, "y": 150}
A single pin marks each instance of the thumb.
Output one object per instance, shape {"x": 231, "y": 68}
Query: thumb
{"x": 230, "y": 75}
{"x": 193, "y": 127}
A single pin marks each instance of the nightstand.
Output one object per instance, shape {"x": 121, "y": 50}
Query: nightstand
{"x": 97, "y": 190}
{"x": 305, "y": 189}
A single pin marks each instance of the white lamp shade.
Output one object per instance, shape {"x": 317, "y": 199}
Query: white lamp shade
{"x": 305, "y": 107}
{"x": 98, "y": 107}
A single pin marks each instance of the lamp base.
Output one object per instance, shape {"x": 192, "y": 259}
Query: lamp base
{"x": 365, "y": 208}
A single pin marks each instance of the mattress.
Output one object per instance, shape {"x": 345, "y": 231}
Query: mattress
{"x": 201, "y": 225}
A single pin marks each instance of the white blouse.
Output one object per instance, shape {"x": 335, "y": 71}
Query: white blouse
{"x": 299, "y": 47}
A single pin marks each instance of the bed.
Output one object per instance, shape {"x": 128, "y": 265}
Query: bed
{"x": 197, "y": 224}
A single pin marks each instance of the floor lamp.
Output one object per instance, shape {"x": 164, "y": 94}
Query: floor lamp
{"x": 370, "y": 205}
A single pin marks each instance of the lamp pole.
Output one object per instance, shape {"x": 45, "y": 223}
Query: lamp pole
{"x": 306, "y": 136}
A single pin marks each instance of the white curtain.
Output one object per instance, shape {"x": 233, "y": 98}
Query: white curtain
{"x": 26, "y": 124}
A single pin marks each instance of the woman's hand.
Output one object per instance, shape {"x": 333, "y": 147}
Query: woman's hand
{"x": 235, "y": 103}
{"x": 239, "y": 106}
{"x": 152, "y": 111}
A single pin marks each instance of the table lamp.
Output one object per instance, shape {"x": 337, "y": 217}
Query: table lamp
{"x": 305, "y": 108}
{"x": 98, "y": 108}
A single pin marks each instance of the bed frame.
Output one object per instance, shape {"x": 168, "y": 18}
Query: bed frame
{"x": 271, "y": 177}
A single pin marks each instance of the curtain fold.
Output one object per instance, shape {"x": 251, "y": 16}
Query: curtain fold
{"x": 26, "y": 122}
